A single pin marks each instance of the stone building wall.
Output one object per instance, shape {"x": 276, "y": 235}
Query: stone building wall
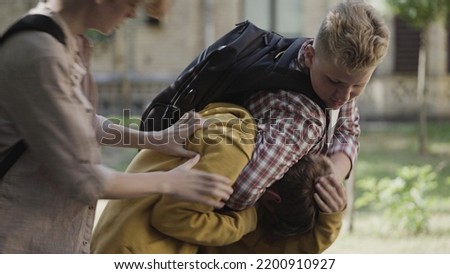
{"x": 140, "y": 59}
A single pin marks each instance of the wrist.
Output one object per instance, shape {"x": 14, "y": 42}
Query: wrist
{"x": 341, "y": 166}
{"x": 150, "y": 139}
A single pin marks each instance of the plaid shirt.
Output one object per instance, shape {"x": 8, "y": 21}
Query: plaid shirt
{"x": 291, "y": 125}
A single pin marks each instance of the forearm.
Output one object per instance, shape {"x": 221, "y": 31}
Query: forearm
{"x": 341, "y": 165}
{"x": 346, "y": 139}
{"x": 169, "y": 141}
{"x": 133, "y": 185}
{"x": 284, "y": 137}
{"x": 270, "y": 161}
{"x": 111, "y": 134}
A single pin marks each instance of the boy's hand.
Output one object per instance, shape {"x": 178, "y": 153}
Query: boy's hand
{"x": 330, "y": 194}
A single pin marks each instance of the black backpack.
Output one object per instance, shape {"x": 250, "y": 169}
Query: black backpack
{"x": 35, "y": 22}
{"x": 245, "y": 60}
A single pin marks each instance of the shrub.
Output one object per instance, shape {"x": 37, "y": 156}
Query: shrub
{"x": 404, "y": 200}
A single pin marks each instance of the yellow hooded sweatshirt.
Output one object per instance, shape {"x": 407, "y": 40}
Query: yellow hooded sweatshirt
{"x": 260, "y": 241}
{"x": 161, "y": 223}
{"x": 164, "y": 225}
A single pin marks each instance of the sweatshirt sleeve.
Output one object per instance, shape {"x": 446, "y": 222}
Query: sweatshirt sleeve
{"x": 225, "y": 148}
{"x": 322, "y": 236}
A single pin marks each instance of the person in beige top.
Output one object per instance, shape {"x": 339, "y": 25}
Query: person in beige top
{"x": 48, "y": 197}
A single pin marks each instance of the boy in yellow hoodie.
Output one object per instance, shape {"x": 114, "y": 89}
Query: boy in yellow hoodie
{"x": 163, "y": 224}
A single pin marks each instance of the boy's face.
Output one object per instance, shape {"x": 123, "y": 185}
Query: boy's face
{"x": 112, "y": 13}
{"x": 332, "y": 82}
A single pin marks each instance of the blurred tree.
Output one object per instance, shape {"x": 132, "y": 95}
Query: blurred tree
{"x": 157, "y": 9}
{"x": 420, "y": 14}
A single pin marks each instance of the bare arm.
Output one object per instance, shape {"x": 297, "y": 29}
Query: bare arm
{"x": 169, "y": 141}
{"x": 185, "y": 184}
{"x": 341, "y": 166}
{"x": 345, "y": 142}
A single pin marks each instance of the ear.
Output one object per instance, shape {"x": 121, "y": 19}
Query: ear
{"x": 271, "y": 197}
{"x": 309, "y": 55}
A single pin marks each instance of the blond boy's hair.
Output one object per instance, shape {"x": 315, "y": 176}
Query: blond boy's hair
{"x": 354, "y": 35}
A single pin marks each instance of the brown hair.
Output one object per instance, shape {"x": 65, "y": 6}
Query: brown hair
{"x": 354, "y": 35}
{"x": 297, "y": 211}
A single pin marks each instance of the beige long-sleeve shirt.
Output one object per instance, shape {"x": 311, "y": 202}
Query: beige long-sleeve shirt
{"x": 48, "y": 197}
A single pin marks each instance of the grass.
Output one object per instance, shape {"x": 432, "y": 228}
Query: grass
{"x": 384, "y": 149}
{"x": 387, "y": 148}
{"x": 366, "y": 237}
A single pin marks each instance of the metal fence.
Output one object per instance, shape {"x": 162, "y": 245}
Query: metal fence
{"x": 395, "y": 98}
{"x": 385, "y": 98}
{"x": 118, "y": 94}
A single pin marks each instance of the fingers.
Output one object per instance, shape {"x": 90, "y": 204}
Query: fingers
{"x": 216, "y": 185}
{"x": 189, "y": 123}
{"x": 212, "y": 192}
{"x": 330, "y": 195}
{"x": 203, "y": 187}
{"x": 182, "y": 152}
{"x": 321, "y": 204}
{"x": 189, "y": 164}
{"x": 217, "y": 195}
{"x": 211, "y": 202}
{"x": 173, "y": 139}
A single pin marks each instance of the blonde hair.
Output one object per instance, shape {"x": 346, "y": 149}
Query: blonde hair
{"x": 354, "y": 35}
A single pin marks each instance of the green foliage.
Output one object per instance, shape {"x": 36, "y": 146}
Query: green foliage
{"x": 419, "y": 13}
{"x": 404, "y": 200}
{"x": 99, "y": 38}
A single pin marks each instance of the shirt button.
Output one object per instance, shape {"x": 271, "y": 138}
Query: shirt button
{"x": 85, "y": 242}
{"x": 91, "y": 207}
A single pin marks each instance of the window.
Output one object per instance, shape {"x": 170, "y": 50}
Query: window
{"x": 282, "y": 16}
{"x": 407, "y": 43}
{"x": 448, "y": 49}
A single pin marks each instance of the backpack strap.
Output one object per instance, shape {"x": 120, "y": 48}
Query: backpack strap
{"x": 36, "y": 22}
{"x": 290, "y": 52}
{"x": 12, "y": 156}
{"x": 296, "y": 80}
{"x": 32, "y": 22}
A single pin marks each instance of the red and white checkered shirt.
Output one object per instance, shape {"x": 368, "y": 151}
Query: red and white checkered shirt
{"x": 290, "y": 125}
